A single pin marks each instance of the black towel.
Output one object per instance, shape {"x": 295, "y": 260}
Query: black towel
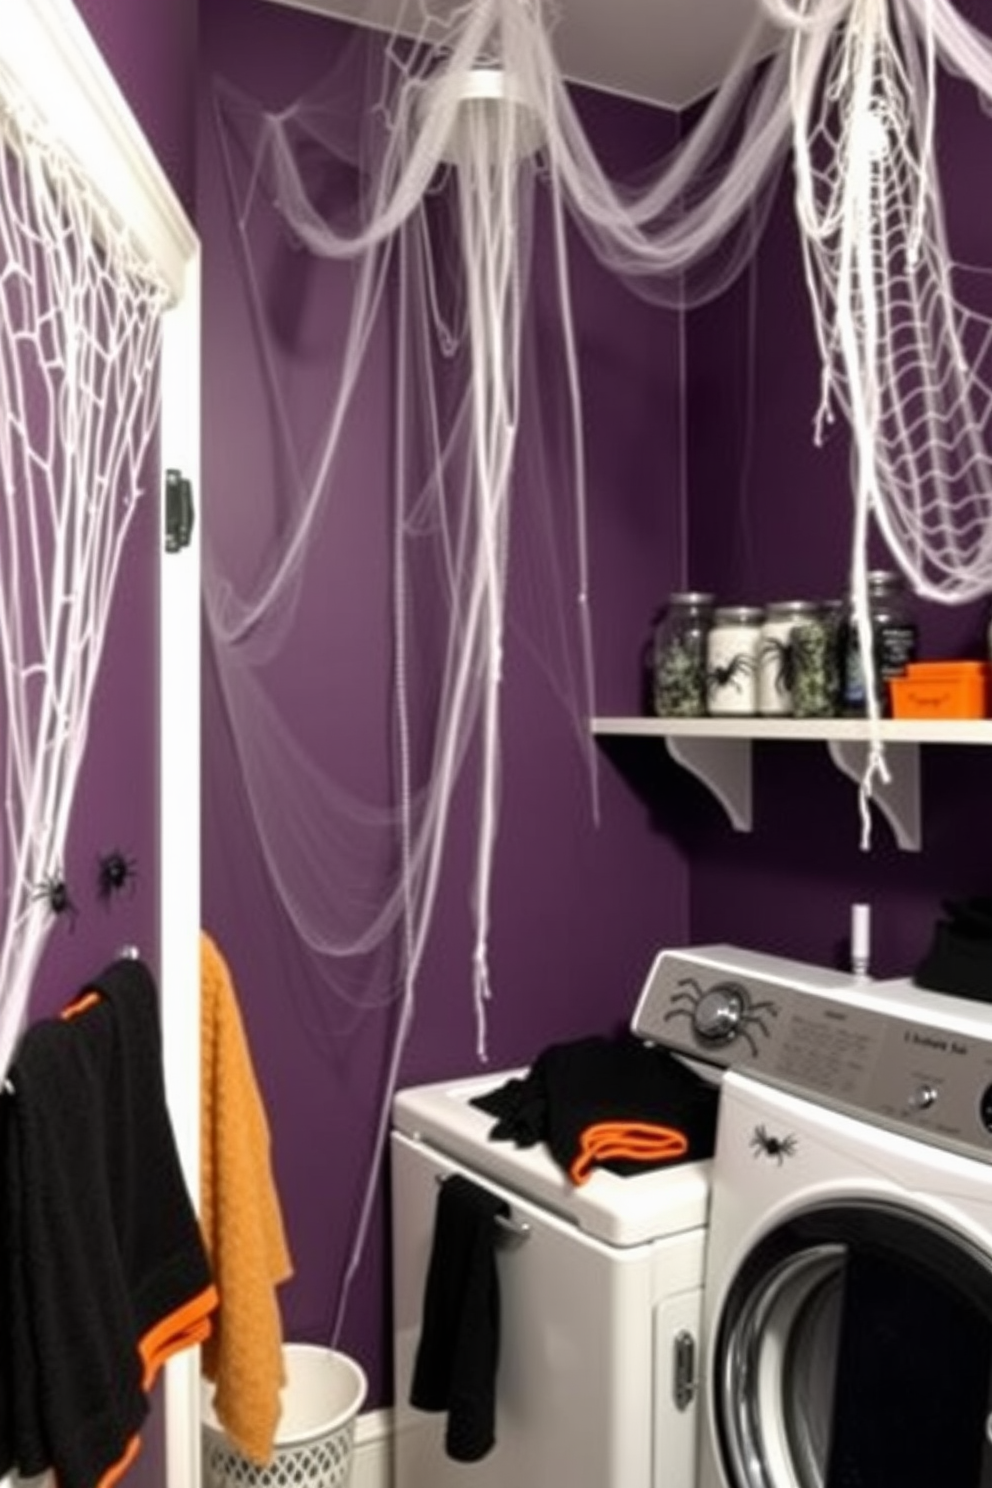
{"x": 574, "y": 1087}
{"x": 106, "y": 1273}
{"x": 959, "y": 957}
{"x": 458, "y": 1352}
{"x": 912, "y": 1385}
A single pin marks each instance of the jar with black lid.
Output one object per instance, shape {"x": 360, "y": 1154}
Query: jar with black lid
{"x": 679, "y": 655}
{"x": 895, "y": 638}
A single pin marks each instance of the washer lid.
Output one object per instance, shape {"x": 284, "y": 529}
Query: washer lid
{"x": 618, "y": 1211}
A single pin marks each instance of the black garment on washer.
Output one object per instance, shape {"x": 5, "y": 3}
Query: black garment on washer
{"x": 458, "y": 1352}
{"x": 572, "y": 1086}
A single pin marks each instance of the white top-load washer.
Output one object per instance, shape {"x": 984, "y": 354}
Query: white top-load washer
{"x": 847, "y": 1330}
{"x": 600, "y": 1295}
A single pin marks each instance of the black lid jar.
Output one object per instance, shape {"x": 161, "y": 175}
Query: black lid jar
{"x": 895, "y": 638}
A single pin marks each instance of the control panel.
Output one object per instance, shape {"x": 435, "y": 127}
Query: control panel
{"x": 906, "y": 1061}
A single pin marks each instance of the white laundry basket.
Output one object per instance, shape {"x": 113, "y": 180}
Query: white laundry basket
{"x": 314, "y": 1440}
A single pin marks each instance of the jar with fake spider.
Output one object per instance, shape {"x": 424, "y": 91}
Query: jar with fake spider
{"x": 732, "y": 660}
{"x": 775, "y": 658}
{"x": 679, "y": 655}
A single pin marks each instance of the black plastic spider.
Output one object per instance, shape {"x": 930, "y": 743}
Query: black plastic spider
{"x": 54, "y": 891}
{"x": 778, "y": 1147}
{"x": 116, "y": 873}
{"x": 779, "y": 657}
{"x": 722, "y": 676}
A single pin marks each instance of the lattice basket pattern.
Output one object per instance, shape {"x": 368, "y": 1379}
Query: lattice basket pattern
{"x": 319, "y": 1464}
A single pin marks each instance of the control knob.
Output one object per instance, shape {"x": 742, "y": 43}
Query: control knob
{"x": 716, "y": 1017}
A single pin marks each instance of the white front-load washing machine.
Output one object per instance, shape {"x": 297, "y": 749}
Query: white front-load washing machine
{"x": 847, "y": 1318}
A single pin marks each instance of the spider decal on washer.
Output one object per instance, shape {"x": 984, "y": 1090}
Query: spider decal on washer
{"x": 764, "y": 1144}
{"x": 722, "y": 1012}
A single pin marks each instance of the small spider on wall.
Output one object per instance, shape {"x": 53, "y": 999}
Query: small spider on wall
{"x": 54, "y": 892}
{"x": 115, "y": 873}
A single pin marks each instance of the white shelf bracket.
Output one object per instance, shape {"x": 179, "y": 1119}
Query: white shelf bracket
{"x": 898, "y": 799}
{"x": 724, "y": 767}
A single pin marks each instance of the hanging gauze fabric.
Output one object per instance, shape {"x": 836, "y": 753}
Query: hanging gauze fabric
{"x": 106, "y": 1272}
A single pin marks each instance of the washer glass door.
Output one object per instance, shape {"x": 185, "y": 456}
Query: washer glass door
{"x": 854, "y": 1350}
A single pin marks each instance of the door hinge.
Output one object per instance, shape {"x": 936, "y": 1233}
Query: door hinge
{"x": 178, "y": 511}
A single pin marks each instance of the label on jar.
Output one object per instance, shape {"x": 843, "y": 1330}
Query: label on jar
{"x": 895, "y": 648}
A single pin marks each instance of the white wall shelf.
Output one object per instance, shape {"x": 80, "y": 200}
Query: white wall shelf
{"x": 718, "y": 752}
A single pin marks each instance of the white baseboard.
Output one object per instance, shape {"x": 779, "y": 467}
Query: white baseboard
{"x": 372, "y": 1465}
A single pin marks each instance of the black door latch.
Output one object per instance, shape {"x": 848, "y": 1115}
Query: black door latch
{"x": 178, "y": 511}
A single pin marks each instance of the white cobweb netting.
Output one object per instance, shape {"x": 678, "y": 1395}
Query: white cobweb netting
{"x": 904, "y": 357}
{"x": 80, "y": 321}
{"x": 423, "y": 208}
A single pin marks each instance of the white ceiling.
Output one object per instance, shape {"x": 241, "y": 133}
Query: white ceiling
{"x": 668, "y": 52}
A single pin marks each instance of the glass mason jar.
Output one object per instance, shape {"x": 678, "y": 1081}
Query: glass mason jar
{"x": 732, "y": 660}
{"x": 775, "y": 654}
{"x": 816, "y": 663}
{"x": 679, "y": 656}
{"x": 894, "y": 641}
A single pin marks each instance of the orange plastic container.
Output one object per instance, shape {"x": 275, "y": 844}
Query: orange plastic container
{"x": 942, "y": 689}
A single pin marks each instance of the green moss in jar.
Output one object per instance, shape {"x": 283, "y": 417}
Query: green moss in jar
{"x": 679, "y": 656}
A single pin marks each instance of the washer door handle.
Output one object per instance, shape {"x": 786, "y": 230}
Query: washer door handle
{"x": 684, "y": 1369}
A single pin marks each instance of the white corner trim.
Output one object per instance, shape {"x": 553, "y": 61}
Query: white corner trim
{"x": 46, "y": 48}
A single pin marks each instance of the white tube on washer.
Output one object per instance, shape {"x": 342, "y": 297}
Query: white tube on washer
{"x": 860, "y": 938}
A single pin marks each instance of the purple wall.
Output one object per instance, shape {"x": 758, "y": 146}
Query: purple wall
{"x": 153, "y": 57}
{"x": 577, "y": 910}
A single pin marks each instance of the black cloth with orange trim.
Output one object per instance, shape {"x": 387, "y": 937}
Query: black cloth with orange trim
{"x": 106, "y": 1275}
{"x": 607, "y": 1102}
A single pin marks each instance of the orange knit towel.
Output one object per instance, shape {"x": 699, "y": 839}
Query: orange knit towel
{"x": 642, "y": 1141}
{"x": 242, "y": 1222}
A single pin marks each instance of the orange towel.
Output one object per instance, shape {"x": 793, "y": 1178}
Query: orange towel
{"x": 242, "y": 1222}
{"x": 642, "y": 1141}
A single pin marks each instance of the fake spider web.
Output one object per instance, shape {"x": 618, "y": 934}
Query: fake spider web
{"x": 80, "y": 331}
{"x": 903, "y": 357}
